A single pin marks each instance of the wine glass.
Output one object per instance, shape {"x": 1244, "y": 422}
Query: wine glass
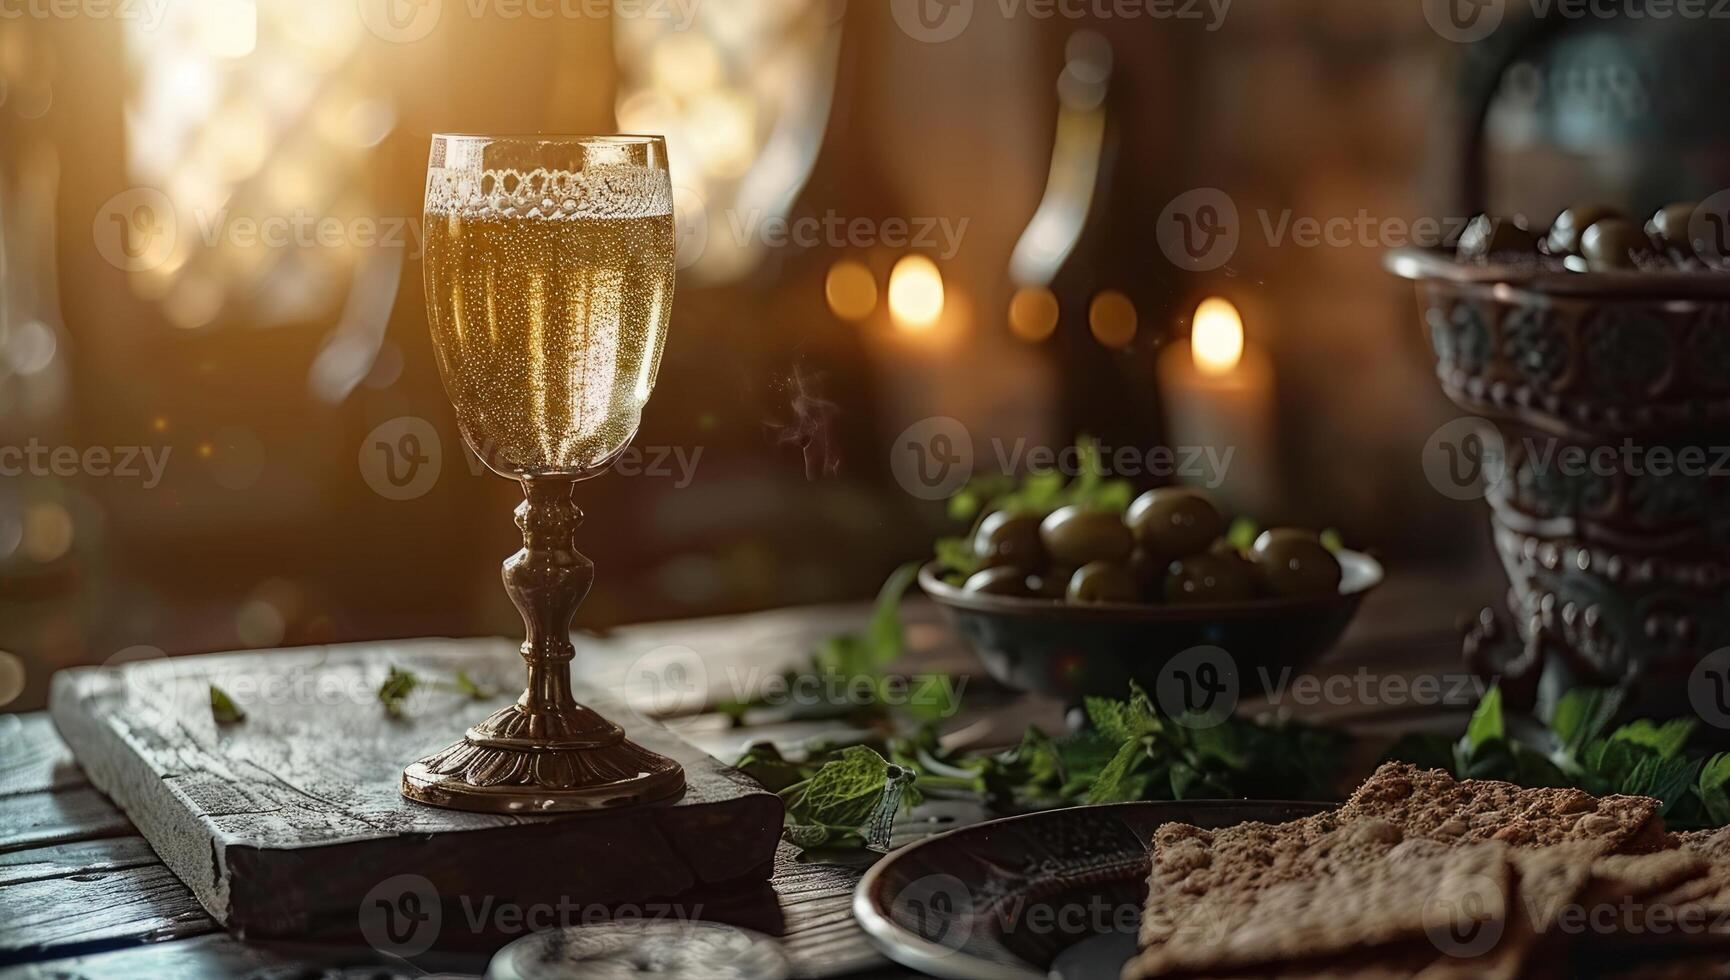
{"x": 549, "y": 279}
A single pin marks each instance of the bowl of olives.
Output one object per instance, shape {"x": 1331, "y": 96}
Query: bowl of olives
{"x": 1080, "y": 601}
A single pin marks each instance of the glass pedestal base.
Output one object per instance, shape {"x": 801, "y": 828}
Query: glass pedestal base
{"x": 550, "y": 762}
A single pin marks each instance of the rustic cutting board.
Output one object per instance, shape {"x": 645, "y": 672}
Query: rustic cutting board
{"x": 289, "y": 823}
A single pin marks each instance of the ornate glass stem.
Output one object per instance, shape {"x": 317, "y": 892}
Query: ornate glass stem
{"x": 548, "y": 579}
{"x": 545, "y": 752}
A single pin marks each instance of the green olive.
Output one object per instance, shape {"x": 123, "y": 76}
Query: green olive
{"x": 1174, "y": 522}
{"x": 1671, "y": 226}
{"x": 1006, "y": 538}
{"x": 1075, "y": 536}
{"x": 1487, "y": 238}
{"x": 1209, "y": 577}
{"x": 1294, "y": 563}
{"x": 1570, "y": 225}
{"x": 1613, "y": 243}
{"x": 1103, "y": 581}
{"x": 1000, "y": 580}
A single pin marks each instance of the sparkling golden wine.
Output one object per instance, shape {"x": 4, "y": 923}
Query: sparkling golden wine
{"x": 549, "y": 295}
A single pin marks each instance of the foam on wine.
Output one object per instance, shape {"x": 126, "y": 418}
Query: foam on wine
{"x": 599, "y": 192}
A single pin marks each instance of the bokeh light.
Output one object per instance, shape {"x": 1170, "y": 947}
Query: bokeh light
{"x": 1033, "y": 313}
{"x": 1111, "y": 316}
{"x": 851, "y": 290}
{"x": 915, "y": 293}
{"x": 1216, "y": 337}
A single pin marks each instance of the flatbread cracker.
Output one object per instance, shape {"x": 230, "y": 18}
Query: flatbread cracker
{"x": 1431, "y": 803}
{"x": 1358, "y": 900}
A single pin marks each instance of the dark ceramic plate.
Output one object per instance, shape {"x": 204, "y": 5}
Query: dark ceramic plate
{"x": 1016, "y": 898}
{"x": 1072, "y": 651}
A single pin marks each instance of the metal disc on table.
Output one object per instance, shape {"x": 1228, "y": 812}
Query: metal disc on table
{"x": 671, "y": 950}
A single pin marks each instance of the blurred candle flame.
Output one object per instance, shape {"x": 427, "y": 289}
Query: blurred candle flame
{"x": 1216, "y": 340}
{"x": 915, "y": 293}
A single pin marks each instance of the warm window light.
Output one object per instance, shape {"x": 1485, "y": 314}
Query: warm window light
{"x": 915, "y": 293}
{"x": 1216, "y": 340}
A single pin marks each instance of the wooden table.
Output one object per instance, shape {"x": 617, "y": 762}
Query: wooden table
{"x": 82, "y": 894}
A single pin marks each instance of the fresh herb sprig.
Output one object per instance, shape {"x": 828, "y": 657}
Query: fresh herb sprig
{"x": 1132, "y": 752}
{"x": 223, "y": 707}
{"x": 845, "y": 662}
{"x": 1161, "y": 757}
{"x": 402, "y": 682}
{"x": 837, "y": 800}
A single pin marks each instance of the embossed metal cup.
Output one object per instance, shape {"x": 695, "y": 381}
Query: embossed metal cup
{"x": 1611, "y": 394}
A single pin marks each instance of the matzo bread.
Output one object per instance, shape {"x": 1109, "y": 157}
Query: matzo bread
{"x": 1364, "y": 894}
{"x": 1433, "y": 804}
{"x": 1189, "y": 863}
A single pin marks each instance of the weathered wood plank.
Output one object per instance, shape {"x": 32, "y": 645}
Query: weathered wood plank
{"x": 283, "y": 824}
{"x": 33, "y": 759}
{"x": 75, "y": 858}
{"x": 57, "y": 916}
{"x": 821, "y": 936}
{"x": 37, "y": 819}
{"x": 221, "y": 957}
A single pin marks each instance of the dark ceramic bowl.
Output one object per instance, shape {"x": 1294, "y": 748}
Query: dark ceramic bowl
{"x": 1620, "y": 574}
{"x": 1074, "y": 651}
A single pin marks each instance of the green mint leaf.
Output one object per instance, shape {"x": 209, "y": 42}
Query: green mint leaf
{"x": 956, "y": 555}
{"x": 883, "y": 633}
{"x": 965, "y": 505}
{"x": 1582, "y": 715}
{"x": 394, "y": 692}
{"x": 1486, "y": 724}
{"x": 223, "y": 708}
{"x": 1666, "y": 739}
{"x": 841, "y": 655}
{"x": 845, "y": 790}
{"x": 470, "y": 687}
{"x": 1117, "y": 782}
{"x": 1242, "y": 533}
{"x": 1711, "y": 787}
{"x": 1111, "y": 719}
{"x": 932, "y": 697}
